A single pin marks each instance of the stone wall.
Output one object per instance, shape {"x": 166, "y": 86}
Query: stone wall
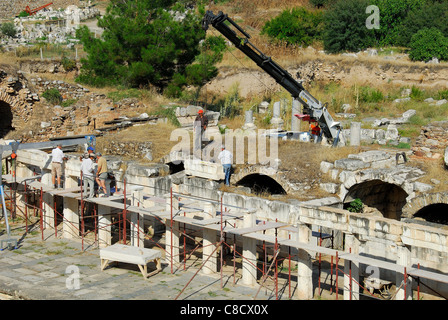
{"x": 432, "y": 141}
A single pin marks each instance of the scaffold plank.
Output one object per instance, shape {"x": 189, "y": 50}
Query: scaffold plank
{"x": 260, "y": 227}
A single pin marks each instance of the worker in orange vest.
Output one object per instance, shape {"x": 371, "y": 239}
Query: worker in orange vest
{"x": 315, "y": 132}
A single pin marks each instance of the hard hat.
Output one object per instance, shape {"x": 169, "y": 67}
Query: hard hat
{"x": 201, "y": 111}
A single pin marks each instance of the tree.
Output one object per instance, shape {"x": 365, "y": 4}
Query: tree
{"x": 392, "y": 14}
{"x": 429, "y": 16}
{"x": 427, "y": 44}
{"x": 296, "y": 26}
{"x": 345, "y": 27}
{"x": 145, "y": 42}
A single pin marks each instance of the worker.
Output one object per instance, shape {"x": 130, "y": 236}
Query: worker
{"x": 226, "y": 158}
{"x": 101, "y": 173}
{"x": 56, "y": 165}
{"x": 200, "y": 125}
{"x": 315, "y": 132}
{"x": 88, "y": 173}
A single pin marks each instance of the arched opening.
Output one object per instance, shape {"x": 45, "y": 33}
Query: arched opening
{"x": 260, "y": 183}
{"x": 436, "y": 213}
{"x": 376, "y": 195}
{"x": 5, "y": 119}
{"x": 176, "y": 166}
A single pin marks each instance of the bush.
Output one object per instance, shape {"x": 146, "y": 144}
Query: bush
{"x": 52, "y": 95}
{"x": 345, "y": 27}
{"x": 8, "y": 29}
{"x": 355, "y": 206}
{"x": 427, "y": 44}
{"x": 369, "y": 95}
{"x": 296, "y": 26}
{"x": 68, "y": 64}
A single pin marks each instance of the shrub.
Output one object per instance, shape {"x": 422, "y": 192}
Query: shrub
{"x": 370, "y": 95}
{"x": 355, "y": 206}
{"x": 8, "y": 29}
{"x": 345, "y": 27}
{"x": 296, "y": 26}
{"x": 68, "y": 64}
{"x": 52, "y": 95}
{"x": 427, "y": 44}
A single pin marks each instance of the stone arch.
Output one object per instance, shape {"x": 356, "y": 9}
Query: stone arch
{"x": 261, "y": 183}
{"x": 257, "y": 174}
{"x": 417, "y": 206}
{"x": 5, "y": 118}
{"x": 385, "y": 197}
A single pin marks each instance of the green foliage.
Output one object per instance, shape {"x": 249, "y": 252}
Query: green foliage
{"x": 68, "y": 64}
{"x": 442, "y": 94}
{"x": 428, "y": 43}
{"x": 392, "y": 14}
{"x": 8, "y": 29}
{"x": 345, "y": 27}
{"x": 296, "y": 26}
{"x": 231, "y": 106}
{"x": 52, "y": 95}
{"x": 417, "y": 93}
{"x": 124, "y": 94}
{"x": 168, "y": 112}
{"x": 23, "y": 14}
{"x": 431, "y": 15}
{"x": 355, "y": 206}
{"x": 144, "y": 43}
{"x": 370, "y": 95}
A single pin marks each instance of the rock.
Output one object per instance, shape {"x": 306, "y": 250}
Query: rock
{"x": 44, "y": 124}
{"x": 402, "y": 100}
{"x": 422, "y": 187}
{"x": 392, "y": 132}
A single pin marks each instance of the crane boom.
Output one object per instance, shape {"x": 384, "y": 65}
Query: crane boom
{"x": 311, "y": 106}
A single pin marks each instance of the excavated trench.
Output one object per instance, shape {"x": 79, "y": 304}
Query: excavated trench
{"x": 260, "y": 183}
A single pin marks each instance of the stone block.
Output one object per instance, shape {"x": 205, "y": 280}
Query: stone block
{"x": 351, "y": 164}
{"x": 370, "y": 156}
{"x": 325, "y": 166}
{"x": 204, "y": 169}
{"x": 329, "y": 187}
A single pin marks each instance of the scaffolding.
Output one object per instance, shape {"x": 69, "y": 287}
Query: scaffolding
{"x": 226, "y": 221}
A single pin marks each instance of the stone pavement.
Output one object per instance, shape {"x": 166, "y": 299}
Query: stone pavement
{"x": 57, "y": 269}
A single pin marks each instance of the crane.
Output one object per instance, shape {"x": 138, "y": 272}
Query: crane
{"x": 313, "y": 109}
{"x": 34, "y": 11}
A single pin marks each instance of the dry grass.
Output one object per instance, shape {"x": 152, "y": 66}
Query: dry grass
{"x": 158, "y": 134}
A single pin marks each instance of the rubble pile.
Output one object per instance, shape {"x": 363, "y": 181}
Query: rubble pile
{"x": 51, "y": 26}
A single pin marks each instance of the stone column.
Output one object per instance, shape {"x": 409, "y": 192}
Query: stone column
{"x": 276, "y": 120}
{"x": 295, "y": 122}
{"x": 104, "y": 226}
{"x": 403, "y": 259}
{"x": 209, "y": 253}
{"x": 137, "y": 220}
{"x": 48, "y": 201}
{"x": 355, "y": 134}
{"x": 304, "y": 266}
{"x": 249, "y": 252}
{"x": 351, "y": 244}
{"x": 71, "y": 218}
{"x": 172, "y": 233}
{"x": 71, "y": 211}
{"x": 249, "y": 121}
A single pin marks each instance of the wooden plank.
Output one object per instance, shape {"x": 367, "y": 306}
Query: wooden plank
{"x": 259, "y": 227}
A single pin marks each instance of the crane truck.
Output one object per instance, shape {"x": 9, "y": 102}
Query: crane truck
{"x": 313, "y": 109}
